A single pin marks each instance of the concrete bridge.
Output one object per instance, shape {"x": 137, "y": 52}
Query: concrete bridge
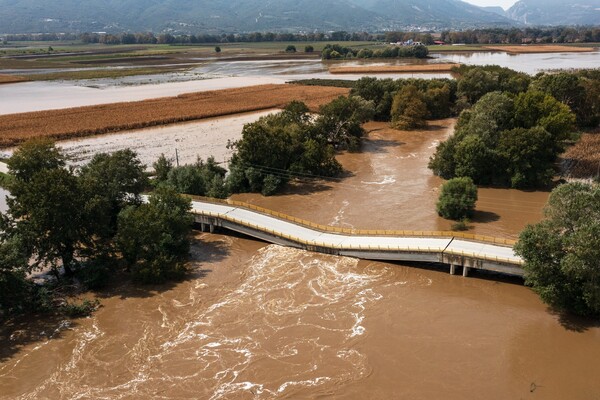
{"x": 455, "y": 249}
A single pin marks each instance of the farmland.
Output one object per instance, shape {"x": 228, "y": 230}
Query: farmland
{"x": 11, "y": 79}
{"x": 583, "y": 159}
{"x": 93, "y": 120}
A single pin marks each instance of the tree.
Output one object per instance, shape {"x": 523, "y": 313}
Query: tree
{"x": 562, "y": 252}
{"x": 154, "y": 237}
{"x": 309, "y": 49}
{"x": 217, "y": 49}
{"x": 408, "y": 109}
{"x": 46, "y": 206}
{"x": 290, "y": 48}
{"x": 341, "y": 121}
{"x": 162, "y": 167}
{"x": 457, "y": 199}
{"x": 110, "y": 182}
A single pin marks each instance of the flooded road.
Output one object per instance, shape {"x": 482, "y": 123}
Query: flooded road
{"x": 258, "y": 321}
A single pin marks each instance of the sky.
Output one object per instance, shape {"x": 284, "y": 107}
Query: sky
{"x": 502, "y": 3}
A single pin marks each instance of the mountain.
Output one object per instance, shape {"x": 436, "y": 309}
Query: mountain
{"x": 495, "y": 9}
{"x": 193, "y": 16}
{"x": 435, "y": 13}
{"x": 556, "y": 12}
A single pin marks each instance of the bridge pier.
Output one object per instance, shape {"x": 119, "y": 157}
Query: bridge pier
{"x": 212, "y": 228}
{"x": 452, "y": 269}
{"x": 466, "y": 271}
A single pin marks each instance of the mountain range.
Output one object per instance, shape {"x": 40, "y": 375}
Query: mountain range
{"x": 210, "y": 16}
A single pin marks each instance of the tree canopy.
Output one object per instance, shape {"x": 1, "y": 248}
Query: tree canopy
{"x": 562, "y": 253}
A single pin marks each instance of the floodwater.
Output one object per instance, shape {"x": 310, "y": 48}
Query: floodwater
{"x": 528, "y": 63}
{"x": 186, "y": 141}
{"x": 259, "y": 321}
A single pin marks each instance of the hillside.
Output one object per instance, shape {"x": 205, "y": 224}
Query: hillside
{"x": 193, "y": 16}
{"x": 556, "y": 12}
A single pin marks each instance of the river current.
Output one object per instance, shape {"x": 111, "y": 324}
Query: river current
{"x": 259, "y": 321}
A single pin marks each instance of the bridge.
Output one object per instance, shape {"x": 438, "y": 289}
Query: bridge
{"x": 456, "y": 249}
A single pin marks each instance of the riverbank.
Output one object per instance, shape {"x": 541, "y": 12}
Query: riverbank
{"x": 529, "y": 49}
{"x": 6, "y": 79}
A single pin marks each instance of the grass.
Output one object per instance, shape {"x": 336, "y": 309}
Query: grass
{"x": 107, "y": 118}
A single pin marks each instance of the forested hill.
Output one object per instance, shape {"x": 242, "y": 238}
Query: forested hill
{"x": 556, "y": 12}
{"x": 209, "y": 16}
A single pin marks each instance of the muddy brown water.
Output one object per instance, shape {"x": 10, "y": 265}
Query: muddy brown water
{"x": 259, "y": 321}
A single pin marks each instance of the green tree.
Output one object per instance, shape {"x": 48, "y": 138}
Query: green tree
{"x": 528, "y": 156}
{"x": 341, "y": 121}
{"x": 46, "y": 206}
{"x": 110, "y": 182}
{"x": 290, "y": 48}
{"x": 154, "y": 237}
{"x": 562, "y": 252}
{"x": 457, "y": 199}
{"x": 408, "y": 109}
{"x": 309, "y": 49}
{"x": 162, "y": 167}
{"x": 217, "y": 49}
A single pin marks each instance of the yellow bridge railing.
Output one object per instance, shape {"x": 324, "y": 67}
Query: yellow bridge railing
{"x": 357, "y": 232}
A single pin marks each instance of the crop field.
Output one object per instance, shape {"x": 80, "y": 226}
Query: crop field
{"x": 372, "y": 69}
{"x": 540, "y": 49}
{"x": 107, "y": 118}
{"x": 11, "y": 79}
{"x": 583, "y": 158}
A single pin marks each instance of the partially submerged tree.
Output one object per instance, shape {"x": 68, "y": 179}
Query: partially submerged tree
{"x": 562, "y": 253}
{"x": 457, "y": 199}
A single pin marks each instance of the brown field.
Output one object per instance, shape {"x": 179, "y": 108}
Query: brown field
{"x": 583, "y": 159}
{"x": 11, "y": 79}
{"x": 94, "y": 120}
{"x": 540, "y": 49}
{"x": 393, "y": 68}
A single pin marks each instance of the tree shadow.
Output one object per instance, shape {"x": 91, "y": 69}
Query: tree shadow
{"x": 574, "y": 323}
{"x": 484, "y": 216}
{"x": 20, "y": 331}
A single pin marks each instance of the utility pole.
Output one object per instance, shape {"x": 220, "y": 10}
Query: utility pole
{"x": 176, "y": 157}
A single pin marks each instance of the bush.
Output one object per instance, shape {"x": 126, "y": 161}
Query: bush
{"x": 457, "y": 199}
{"x": 309, "y": 49}
{"x": 290, "y": 49}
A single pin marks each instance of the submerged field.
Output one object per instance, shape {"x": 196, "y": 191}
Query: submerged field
{"x": 94, "y": 120}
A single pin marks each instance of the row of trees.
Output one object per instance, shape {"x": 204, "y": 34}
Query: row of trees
{"x": 337, "y": 52}
{"x": 526, "y": 35}
{"x": 89, "y": 223}
{"x": 471, "y": 36}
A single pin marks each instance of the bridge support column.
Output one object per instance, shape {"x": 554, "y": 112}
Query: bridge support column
{"x": 466, "y": 271}
{"x": 452, "y": 269}
{"x": 212, "y": 228}
{"x": 202, "y": 227}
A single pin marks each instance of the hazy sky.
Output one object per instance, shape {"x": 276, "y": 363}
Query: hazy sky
{"x": 502, "y": 3}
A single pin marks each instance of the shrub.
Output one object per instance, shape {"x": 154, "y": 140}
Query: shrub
{"x": 457, "y": 199}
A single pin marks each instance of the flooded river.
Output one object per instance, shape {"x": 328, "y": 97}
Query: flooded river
{"x": 259, "y": 321}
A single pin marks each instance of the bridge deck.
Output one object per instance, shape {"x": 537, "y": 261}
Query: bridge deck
{"x": 351, "y": 243}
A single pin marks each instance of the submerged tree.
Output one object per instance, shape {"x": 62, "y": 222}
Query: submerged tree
{"x": 457, "y": 199}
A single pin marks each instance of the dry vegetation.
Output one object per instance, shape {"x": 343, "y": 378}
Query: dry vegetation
{"x": 540, "y": 49}
{"x": 583, "y": 159}
{"x": 393, "y": 69}
{"x": 93, "y": 120}
{"x": 11, "y": 79}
